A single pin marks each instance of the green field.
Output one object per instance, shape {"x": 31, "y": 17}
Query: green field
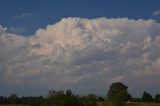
{"x": 129, "y": 104}
{"x": 109, "y": 104}
{"x": 13, "y": 105}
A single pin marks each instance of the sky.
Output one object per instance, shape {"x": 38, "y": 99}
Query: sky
{"x": 80, "y": 45}
{"x": 27, "y": 16}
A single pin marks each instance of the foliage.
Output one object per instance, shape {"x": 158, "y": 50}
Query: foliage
{"x": 118, "y": 94}
{"x": 59, "y": 98}
{"x": 129, "y": 97}
{"x": 13, "y": 98}
{"x": 146, "y": 97}
{"x": 107, "y": 103}
{"x": 157, "y": 98}
{"x": 100, "y": 99}
{"x": 90, "y": 100}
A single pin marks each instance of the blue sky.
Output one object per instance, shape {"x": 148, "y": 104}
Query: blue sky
{"x": 82, "y": 45}
{"x": 29, "y": 15}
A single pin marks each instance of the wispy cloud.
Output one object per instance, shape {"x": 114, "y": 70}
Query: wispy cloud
{"x": 24, "y": 15}
{"x": 156, "y": 13}
{"x": 16, "y": 30}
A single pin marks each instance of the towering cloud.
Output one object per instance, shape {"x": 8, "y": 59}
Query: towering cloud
{"x": 90, "y": 53}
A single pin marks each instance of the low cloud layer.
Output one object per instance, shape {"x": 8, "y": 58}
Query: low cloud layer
{"x": 86, "y": 55}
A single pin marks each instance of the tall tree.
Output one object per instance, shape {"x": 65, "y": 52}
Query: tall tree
{"x": 157, "y": 98}
{"x": 118, "y": 93}
{"x": 146, "y": 97}
{"x": 90, "y": 100}
{"x": 69, "y": 93}
{"x": 13, "y": 98}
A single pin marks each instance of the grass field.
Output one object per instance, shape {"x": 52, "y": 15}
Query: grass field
{"x": 129, "y": 104}
{"x": 12, "y": 105}
{"x": 109, "y": 104}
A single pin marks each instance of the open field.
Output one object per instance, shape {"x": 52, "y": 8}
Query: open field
{"x": 130, "y": 104}
{"x": 109, "y": 104}
{"x": 13, "y": 105}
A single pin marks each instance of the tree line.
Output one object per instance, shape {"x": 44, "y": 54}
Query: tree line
{"x": 117, "y": 95}
{"x": 54, "y": 98}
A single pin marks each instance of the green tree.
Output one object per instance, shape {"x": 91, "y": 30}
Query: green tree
{"x": 90, "y": 100}
{"x": 51, "y": 98}
{"x": 118, "y": 94}
{"x": 13, "y": 98}
{"x": 101, "y": 99}
{"x": 69, "y": 93}
{"x": 146, "y": 97}
{"x": 70, "y": 99}
{"x": 56, "y": 98}
{"x": 157, "y": 98}
{"x": 59, "y": 98}
{"x": 129, "y": 97}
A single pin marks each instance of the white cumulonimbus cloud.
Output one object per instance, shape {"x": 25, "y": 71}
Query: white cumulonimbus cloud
{"x": 84, "y": 54}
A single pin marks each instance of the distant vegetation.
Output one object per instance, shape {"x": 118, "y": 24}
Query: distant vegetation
{"x": 54, "y": 98}
{"x": 117, "y": 96}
